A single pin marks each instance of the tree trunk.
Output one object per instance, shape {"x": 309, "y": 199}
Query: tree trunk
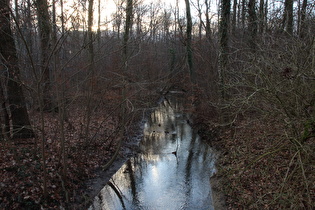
{"x": 17, "y": 21}
{"x": 62, "y": 18}
{"x": 208, "y": 29}
{"x": 201, "y": 23}
{"x": 20, "y": 120}
{"x": 28, "y": 22}
{"x": 288, "y": 17}
{"x": 261, "y": 16}
{"x": 252, "y": 23}
{"x": 188, "y": 42}
{"x": 266, "y": 16}
{"x": 99, "y": 24}
{"x": 223, "y": 54}
{"x": 5, "y": 119}
{"x": 127, "y": 33}
{"x": 234, "y": 16}
{"x": 303, "y": 25}
{"x": 243, "y": 13}
{"x": 90, "y": 34}
{"x": 91, "y": 73}
{"x": 45, "y": 37}
{"x": 54, "y": 23}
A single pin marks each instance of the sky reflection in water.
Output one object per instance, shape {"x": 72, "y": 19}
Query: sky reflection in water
{"x": 172, "y": 171}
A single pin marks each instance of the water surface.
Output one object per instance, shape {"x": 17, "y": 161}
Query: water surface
{"x": 172, "y": 171}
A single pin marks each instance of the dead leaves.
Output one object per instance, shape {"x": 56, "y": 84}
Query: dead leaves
{"x": 21, "y": 183}
{"x": 254, "y": 166}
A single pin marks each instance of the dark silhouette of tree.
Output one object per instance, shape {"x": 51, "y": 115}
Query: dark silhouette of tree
{"x": 224, "y": 40}
{"x": 223, "y": 51}
{"x": 252, "y": 23}
{"x": 201, "y": 23}
{"x": 91, "y": 35}
{"x": 4, "y": 115}
{"x": 288, "y": 17}
{"x": 127, "y": 31}
{"x": 21, "y": 127}
{"x": 243, "y": 13}
{"x": 188, "y": 41}
{"x": 99, "y": 23}
{"x": 303, "y": 25}
{"x": 45, "y": 32}
{"x": 117, "y": 17}
{"x": 91, "y": 73}
{"x": 261, "y": 16}
{"x": 208, "y": 29}
{"x": 234, "y": 16}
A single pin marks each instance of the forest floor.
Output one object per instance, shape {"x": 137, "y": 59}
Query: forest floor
{"x": 259, "y": 168}
{"x": 21, "y": 165}
{"x": 22, "y": 175}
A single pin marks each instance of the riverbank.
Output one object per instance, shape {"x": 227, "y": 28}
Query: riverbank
{"x": 259, "y": 168}
{"x": 21, "y": 183}
{"x": 92, "y": 187}
{"x": 22, "y": 169}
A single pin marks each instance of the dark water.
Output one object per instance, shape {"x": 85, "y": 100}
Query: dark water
{"x": 172, "y": 171}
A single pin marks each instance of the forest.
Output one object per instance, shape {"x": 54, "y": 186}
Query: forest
{"x": 78, "y": 77}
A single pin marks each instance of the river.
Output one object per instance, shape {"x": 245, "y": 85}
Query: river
{"x": 171, "y": 172}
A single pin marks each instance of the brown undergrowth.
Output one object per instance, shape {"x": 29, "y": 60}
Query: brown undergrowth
{"x": 259, "y": 168}
{"x": 21, "y": 161}
{"x": 21, "y": 168}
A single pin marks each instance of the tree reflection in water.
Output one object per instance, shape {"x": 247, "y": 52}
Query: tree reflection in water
{"x": 172, "y": 172}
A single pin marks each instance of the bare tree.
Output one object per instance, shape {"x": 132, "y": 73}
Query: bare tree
{"x": 90, "y": 35}
{"x": 21, "y": 127}
{"x": 91, "y": 73}
{"x": 243, "y": 13}
{"x": 302, "y": 24}
{"x": 223, "y": 52}
{"x": 234, "y": 16}
{"x": 99, "y": 23}
{"x": 154, "y": 11}
{"x": 188, "y": 41}
{"x": 4, "y": 115}
{"x": 261, "y": 16}
{"x": 252, "y": 23}
{"x": 140, "y": 11}
{"x": 128, "y": 22}
{"x": 117, "y": 16}
{"x": 287, "y": 22}
{"x": 166, "y": 20}
{"x": 208, "y": 29}
{"x": 200, "y": 13}
{"x": 44, "y": 26}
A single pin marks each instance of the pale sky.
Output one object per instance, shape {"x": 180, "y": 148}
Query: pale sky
{"x": 108, "y": 7}
{"x": 110, "y": 4}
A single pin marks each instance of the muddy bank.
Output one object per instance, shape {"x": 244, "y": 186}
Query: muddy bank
{"x": 254, "y": 155}
{"x": 93, "y": 186}
{"x": 211, "y": 135}
{"x": 218, "y": 196}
